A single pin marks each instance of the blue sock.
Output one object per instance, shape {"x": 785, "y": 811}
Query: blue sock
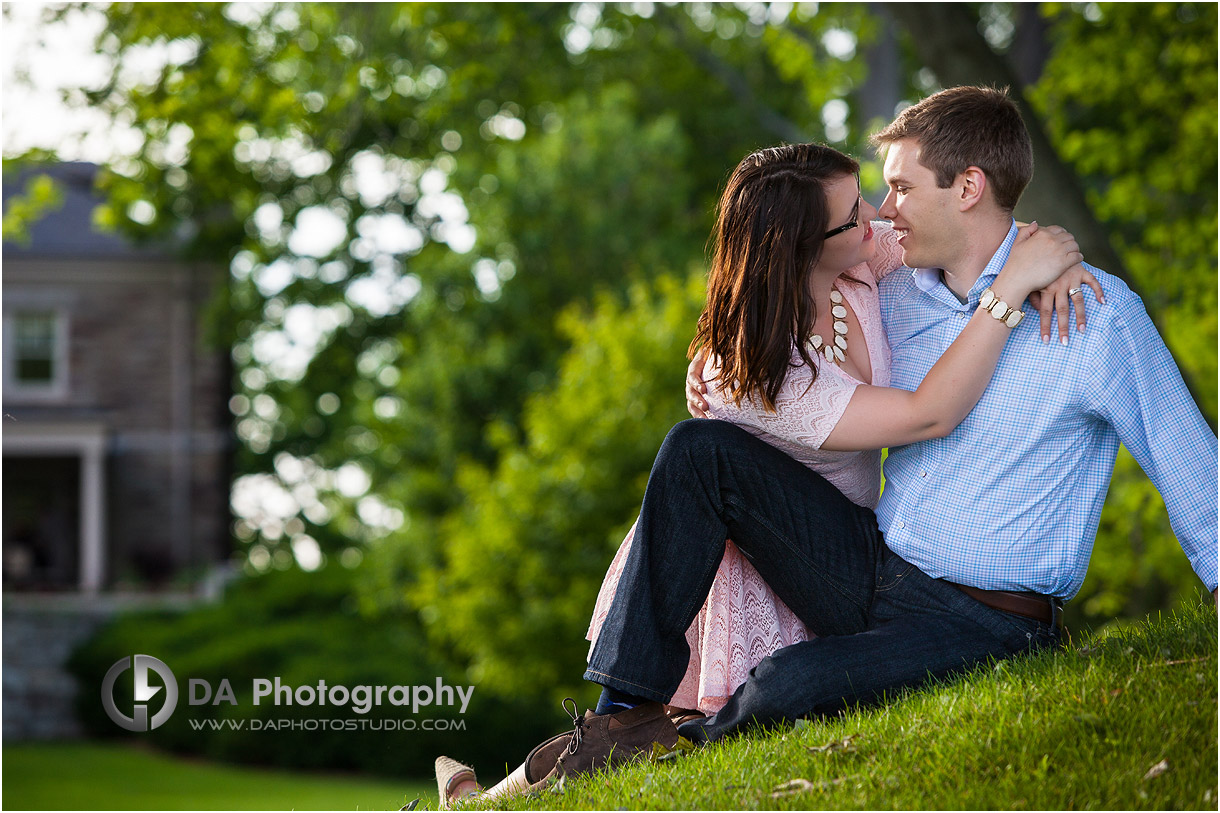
{"x": 613, "y": 701}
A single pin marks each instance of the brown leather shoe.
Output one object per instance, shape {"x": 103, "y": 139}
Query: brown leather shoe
{"x": 541, "y": 761}
{"x": 599, "y": 740}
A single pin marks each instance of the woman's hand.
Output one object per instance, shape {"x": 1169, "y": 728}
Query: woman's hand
{"x": 1039, "y": 256}
{"x": 696, "y": 405}
{"x": 1056, "y": 297}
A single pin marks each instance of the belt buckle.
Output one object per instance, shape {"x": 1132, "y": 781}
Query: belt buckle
{"x": 1056, "y": 613}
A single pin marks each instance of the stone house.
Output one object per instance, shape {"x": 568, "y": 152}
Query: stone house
{"x": 117, "y": 445}
{"x": 116, "y": 429}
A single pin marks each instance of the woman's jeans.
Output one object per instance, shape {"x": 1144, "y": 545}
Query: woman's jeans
{"x": 881, "y": 623}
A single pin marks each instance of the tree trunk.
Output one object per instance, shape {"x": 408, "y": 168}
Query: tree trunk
{"x": 882, "y": 88}
{"x": 1029, "y": 49}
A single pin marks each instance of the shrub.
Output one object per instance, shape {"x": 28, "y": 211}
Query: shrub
{"x": 300, "y": 627}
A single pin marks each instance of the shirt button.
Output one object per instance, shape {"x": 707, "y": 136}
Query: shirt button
{"x": 901, "y": 525}
{"x": 961, "y": 315}
{"x": 923, "y": 473}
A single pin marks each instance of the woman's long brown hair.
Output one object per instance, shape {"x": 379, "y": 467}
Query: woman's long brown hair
{"x": 770, "y": 225}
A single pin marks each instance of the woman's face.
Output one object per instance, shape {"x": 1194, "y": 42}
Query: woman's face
{"x": 851, "y": 246}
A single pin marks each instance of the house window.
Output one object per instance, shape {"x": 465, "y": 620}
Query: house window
{"x": 35, "y": 361}
{"x": 36, "y": 345}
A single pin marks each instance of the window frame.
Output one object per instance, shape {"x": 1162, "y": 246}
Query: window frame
{"x": 57, "y": 388}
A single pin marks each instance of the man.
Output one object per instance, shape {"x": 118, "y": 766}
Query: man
{"x": 979, "y": 536}
{"x": 1045, "y": 434}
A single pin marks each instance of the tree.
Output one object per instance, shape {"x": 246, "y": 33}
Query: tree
{"x": 407, "y": 199}
{"x": 459, "y": 194}
{"x": 524, "y": 556}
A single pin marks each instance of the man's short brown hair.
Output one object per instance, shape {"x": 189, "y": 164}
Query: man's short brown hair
{"x": 969, "y": 126}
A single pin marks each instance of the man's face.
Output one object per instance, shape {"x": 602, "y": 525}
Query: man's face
{"x": 925, "y": 217}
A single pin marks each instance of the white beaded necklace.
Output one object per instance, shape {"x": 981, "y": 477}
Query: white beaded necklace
{"x": 833, "y": 351}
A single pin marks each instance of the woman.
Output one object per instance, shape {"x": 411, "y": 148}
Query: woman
{"x": 793, "y": 327}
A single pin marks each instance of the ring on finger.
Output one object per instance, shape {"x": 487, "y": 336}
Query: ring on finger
{"x": 1073, "y": 291}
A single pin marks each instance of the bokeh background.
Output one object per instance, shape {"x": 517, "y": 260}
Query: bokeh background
{"x": 437, "y": 267}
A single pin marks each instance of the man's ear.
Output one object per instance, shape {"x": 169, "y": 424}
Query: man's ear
{"x": 971, "y": 185}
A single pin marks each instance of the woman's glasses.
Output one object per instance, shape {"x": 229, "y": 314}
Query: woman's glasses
{"x": 855, "y": 215}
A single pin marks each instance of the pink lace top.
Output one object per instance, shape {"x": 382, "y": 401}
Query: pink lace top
{"x": 742, "y": 621}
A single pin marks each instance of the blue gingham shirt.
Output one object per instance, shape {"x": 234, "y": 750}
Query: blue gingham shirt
{"x": 1011, "y": 499}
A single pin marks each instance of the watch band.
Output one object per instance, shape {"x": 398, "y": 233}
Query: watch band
{"x": 1000, "y": 309}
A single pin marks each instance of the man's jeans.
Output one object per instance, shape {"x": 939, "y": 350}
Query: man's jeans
{"x": 881, "y": 623}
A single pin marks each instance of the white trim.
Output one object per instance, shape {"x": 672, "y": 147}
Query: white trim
{"x": 89, "y": 441}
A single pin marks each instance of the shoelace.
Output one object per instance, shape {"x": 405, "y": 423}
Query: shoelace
{"x": 578, "y": 724}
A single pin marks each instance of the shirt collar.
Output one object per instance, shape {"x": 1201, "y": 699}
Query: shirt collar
{"x": 928, "y": 279}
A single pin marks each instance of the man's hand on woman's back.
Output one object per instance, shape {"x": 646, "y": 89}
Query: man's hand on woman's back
{"x": 696, "y": 404}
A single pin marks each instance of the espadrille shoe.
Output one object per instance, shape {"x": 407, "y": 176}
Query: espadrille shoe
{"x": 450, "y": 774}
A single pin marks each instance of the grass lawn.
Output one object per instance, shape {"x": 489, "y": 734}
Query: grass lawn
{"x": 1124, "y": 720}
{"x": 1121, "y": 720}
{"x": 93, "y": 776}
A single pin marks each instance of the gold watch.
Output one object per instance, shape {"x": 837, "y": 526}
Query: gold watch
{"x": 1000, "y": 309}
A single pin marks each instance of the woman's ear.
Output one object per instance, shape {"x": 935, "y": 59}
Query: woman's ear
{"x": 971, "y": 184}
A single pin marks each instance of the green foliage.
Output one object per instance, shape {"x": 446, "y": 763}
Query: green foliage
{"x": 302, "y": 628}
{"x": 40, "y": 197}
{"x": 527, "y": 121}
{"x": 1122, "y": 720}
{"x": 1109, "y": 89}
{"x": 616, "y": 185}
{"x": 527, "y": 550}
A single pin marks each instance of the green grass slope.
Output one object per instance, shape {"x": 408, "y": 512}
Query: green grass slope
{"x": 1122, "y": 720}
{"x": 1125, "y": 719}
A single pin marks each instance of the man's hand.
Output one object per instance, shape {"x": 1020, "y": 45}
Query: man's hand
{"x": 696, "y": 405}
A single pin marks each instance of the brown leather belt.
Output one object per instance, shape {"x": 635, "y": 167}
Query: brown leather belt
{"x": 1046, "y": 609}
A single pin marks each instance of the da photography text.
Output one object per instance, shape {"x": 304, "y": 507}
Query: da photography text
{"x": 362, "y": 699}
{"x": 152, "y": 707}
